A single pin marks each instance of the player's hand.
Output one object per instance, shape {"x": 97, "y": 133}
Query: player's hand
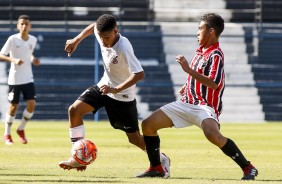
{"x": 36, "y": 61}
{"x": 70, "y": 46}
{"x": 182, "y": 90}
{"x": 18, "y": 61}
{"x": 183, "y": 62}
{"x": 105, "y": 89}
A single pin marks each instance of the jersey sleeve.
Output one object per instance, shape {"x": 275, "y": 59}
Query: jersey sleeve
{"x": 216, "y": 70}
{"x": 133, "y": 63}
{"x": 35, "y": 43}
{"x": 7, "y": 47}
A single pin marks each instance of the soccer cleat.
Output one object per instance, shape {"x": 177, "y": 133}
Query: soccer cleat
{"x": 8, "y": 139}
{"x": 166, "y": 164}
{"x": 72, "y": 164}
{"x": 250, "y": 172}
{"x": 22, "y": 136}
{"x": 153, "y": 172}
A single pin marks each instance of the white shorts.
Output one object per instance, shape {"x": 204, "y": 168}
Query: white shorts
{"x": 183, "y": 114}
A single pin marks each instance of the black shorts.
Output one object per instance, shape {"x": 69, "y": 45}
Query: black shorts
{"x": 122, "y": 115}
{"x": 28, "y": 91}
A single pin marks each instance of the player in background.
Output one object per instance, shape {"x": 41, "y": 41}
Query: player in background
{"x": 201, "y": 102}
{"x": 18, "y": 50}
{"x": 116, "y": 89}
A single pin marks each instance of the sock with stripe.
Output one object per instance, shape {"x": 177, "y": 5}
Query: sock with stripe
{"x": 77, "y": 133}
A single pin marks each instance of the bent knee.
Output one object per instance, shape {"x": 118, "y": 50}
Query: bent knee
{"x": 145, "y": 126}
{"x": 73, "y": 111}
{"x": 149, "y": 129}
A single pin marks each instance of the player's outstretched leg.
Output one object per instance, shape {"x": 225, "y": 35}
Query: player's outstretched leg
{"x": 72, "y": 164}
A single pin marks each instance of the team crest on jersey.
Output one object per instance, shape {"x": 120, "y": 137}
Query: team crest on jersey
{"x": 112, "y": 55}
{"x": 202, "y": 63}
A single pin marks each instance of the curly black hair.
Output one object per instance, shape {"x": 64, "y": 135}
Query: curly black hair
{"x": 214, "y": 21}
{"x": 106, "y": 22}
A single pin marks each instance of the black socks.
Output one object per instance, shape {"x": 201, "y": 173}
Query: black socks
{"x": 153, "y": 149}
{"x": 231, "y": 150}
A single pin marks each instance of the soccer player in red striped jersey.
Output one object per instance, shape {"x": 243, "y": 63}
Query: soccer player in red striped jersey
{"x": 201, "y": 102}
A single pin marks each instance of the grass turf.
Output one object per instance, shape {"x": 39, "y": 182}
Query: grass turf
{"x": 194, "y": 159}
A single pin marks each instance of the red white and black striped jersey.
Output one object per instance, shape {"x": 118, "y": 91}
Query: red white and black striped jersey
{"x": 209, "y": 63}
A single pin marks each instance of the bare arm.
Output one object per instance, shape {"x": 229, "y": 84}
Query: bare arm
{"x": 12, "y": 60}
{"x": 72, "y": 44}
{"x": 133, "y": 79}
{"x": 35, "y": 60}
{"x": 205, "y": 80}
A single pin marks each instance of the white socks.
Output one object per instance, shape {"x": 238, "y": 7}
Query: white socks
{"x": 8, "y": 124}
{"x": 10, "y": 119}
{"x": 77, "y": 133}
{"x": 26, "y": 116}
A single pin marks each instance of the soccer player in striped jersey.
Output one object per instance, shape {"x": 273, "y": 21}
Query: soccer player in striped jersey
{"x": 201, "y": 102}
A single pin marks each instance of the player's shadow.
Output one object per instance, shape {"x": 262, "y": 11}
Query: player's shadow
{"x": 10, "y": 174}
{"x": 66, "y": 181}
{"x": 220, "y": 179}
{"x": 92, "y": 180}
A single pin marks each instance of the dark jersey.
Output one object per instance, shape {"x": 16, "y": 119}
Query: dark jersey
{"x": 209, "y": 63}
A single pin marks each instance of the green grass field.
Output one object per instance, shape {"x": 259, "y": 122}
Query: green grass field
{"x": 194, "y": 159}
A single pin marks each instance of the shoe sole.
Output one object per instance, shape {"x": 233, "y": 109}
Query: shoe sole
{"x": 166, "y": 175}
{"x": 24, "y": 142}
{"x": 9, "y": 143}
{"x": 64, "y": 166}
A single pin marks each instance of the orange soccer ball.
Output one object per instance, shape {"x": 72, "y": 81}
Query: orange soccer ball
{"x": 84, "y": 151}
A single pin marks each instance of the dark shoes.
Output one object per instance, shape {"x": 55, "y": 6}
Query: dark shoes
{"x": 250, "y": 172}
{"x": 154, "y": 172}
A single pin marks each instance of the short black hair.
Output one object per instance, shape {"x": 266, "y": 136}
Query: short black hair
{"x": 26, "y": 17}
{"x": 214, "y": 21}
{"x": 106, "y": 22}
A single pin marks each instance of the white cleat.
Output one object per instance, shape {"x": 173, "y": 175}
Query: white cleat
{"x": 165, "y": 161}
{"x": 72, "y": 164}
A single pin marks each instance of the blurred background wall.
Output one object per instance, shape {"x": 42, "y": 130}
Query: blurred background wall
{"x": 158, "y": 30}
